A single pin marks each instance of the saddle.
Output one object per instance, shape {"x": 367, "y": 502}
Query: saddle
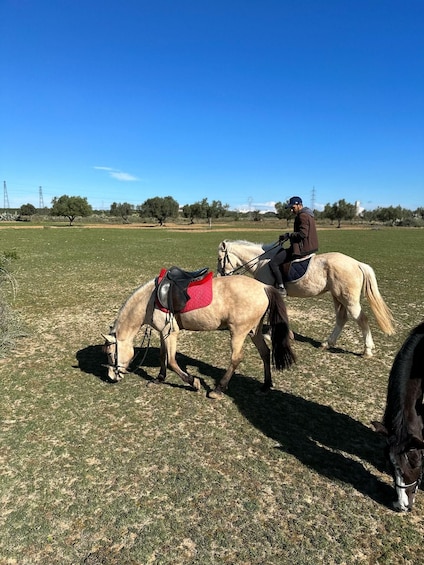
{"x": 171, "y": 287}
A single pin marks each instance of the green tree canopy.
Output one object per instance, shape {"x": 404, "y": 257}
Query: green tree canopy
{"x": 70, "y": 207}
{"x": 27, "y": 210}
{"x": 123, "y": 211}
{"x": 339, "y": 211}
{"x": 282, "y": 212}
{"x": 159, "y": 208}
{"x": 203, "y": 210}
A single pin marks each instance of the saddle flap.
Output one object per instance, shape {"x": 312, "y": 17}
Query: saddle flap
{"x": 172, "y": 285}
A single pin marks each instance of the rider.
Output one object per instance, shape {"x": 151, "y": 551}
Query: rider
{"x": 303, "y": 240}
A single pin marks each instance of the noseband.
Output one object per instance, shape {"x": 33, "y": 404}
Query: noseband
{"x": 415, "y": 484}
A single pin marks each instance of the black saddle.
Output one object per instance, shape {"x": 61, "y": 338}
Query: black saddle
{"x": 171, "y": 290}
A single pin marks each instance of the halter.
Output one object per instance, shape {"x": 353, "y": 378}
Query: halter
{"x": 244, "y": 268}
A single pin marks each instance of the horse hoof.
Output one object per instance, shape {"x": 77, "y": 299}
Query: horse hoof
{"x": 196, "y": 384}
{"x": 215, "y": 394}
{"x": 367, "y": 354}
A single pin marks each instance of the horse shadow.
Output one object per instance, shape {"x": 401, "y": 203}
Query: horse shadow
{"x": 92, "y": 360}
{"x": 318, "y": 345}
{"x": 331, "y": 443}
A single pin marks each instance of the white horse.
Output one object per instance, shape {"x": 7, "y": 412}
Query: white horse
{"x": 237, "y": 305}
{"x": 344, "y": 277}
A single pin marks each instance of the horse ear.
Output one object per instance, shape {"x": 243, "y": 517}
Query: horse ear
{"x": 110, "y": 339}
{"x": 379, "y": 428}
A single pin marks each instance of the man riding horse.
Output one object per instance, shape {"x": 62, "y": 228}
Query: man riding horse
{"x": 303, "y": 240}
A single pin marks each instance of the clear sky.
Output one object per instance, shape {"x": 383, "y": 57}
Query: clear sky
{"x": 244, "y": 101}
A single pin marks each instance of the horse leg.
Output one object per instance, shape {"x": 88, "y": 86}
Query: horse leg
{"x": 163, "y": 361}
{"x": 170, "y": 345}
{"x": 362, "y": 320}
{"x": 356, "y": 312}
{"x": 265, "y": 353}
{"x": 237, "y": 342}
{"x": 341, "y": 319}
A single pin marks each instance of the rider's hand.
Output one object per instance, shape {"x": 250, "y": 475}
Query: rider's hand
{"x": 284, "y": 237}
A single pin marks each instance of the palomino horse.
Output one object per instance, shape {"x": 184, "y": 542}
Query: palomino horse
{"x": 403, "y": 419}
{"x": 238, "y": 305}
{"x": 344, "y": 277}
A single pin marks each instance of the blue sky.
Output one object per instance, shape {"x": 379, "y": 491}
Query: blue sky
{"x": 244, "y": 101}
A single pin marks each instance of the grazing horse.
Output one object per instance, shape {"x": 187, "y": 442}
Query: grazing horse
{"x": 403, "y": 419}
{"x": 238, "y": 304}
{"x": 344, "y": 277}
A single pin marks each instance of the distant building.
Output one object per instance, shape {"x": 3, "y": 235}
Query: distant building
{"x": 358, "y": 208}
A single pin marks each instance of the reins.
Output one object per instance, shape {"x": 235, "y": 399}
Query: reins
{"x": 244, "y": 268}
{"x": 117, "y": 368}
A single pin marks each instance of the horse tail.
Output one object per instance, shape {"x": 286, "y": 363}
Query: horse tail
{"x": 381, "y": 311}
{"x": 282, "y": 353}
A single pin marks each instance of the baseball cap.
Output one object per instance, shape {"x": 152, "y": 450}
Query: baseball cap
{"x": 293, "y": 200}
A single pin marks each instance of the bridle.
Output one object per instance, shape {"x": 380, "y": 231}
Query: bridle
{"x": 414, "y": 484}
{"x": 244, "y": 268}
{"x": 121, "y": 369}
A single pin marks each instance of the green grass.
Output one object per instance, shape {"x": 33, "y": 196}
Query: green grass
{"x": 94, "y": 473}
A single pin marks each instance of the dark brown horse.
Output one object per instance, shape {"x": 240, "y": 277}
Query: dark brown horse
{"x": 403, "y": 419}
{"x": 239, "y": 305}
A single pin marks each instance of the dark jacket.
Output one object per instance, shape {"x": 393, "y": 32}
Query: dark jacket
{"x": 304, "y": 238}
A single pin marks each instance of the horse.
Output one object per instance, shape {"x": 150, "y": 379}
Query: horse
{"x": 402, "y": 424}
{"x": 238, "y": 305}
{"x": 344, "y": 277}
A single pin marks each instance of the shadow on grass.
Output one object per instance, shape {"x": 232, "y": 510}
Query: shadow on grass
{"x": 327, "y": 441}
{"x": 92, "y": 360}
{"x": 317, "y": 345}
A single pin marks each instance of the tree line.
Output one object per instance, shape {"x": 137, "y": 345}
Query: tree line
{"x": 165, "y": 208}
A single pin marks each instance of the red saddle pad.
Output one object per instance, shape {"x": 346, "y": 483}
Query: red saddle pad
{"x": 200, "y": 293}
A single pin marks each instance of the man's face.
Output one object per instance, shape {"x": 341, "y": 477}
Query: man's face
{"x": 295, "y": 208}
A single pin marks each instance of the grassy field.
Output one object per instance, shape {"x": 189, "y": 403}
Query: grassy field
{"x": 123, "y": 474}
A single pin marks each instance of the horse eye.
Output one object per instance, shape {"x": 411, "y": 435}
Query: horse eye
{"x": 414, "y": 458}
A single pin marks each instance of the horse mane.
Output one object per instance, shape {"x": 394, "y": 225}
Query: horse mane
{"x": 408, "y": 364}
{"x": 245, "y": 243}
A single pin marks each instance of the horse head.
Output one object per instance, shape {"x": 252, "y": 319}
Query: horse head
{"x": 405, "y": 462}
{"x": 228, "y": 262}
{"x": 118, "y": 359}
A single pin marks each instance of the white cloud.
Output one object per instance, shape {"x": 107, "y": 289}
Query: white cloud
{"x": 118, "y": 175}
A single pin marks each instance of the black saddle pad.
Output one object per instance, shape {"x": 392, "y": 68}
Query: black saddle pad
{"x": 295, "y": 270}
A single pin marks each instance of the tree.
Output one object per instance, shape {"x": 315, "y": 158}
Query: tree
{"x": 282, "y": 212}
{"x": 159, "y": 208}
{"x": 339, "y": 211}
{"x": 122, "y": 210}
{"x": 204, "y": 210}
{"x": 70, "y": 207}
{"x": 26, "y": 211}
